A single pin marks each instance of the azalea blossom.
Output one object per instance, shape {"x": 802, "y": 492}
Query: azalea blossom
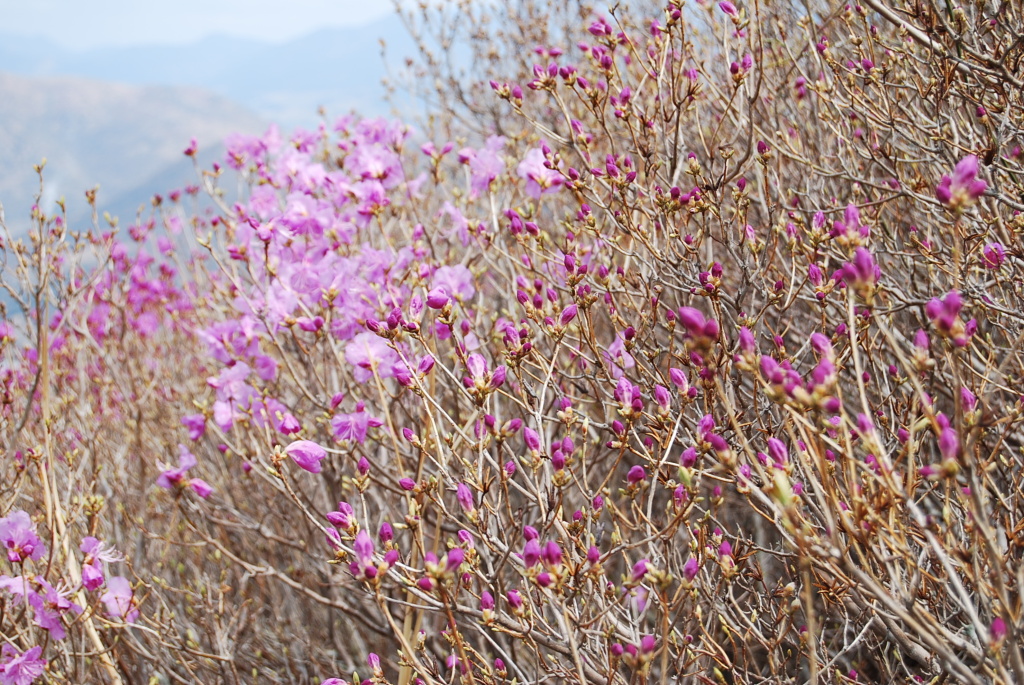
{"x": 307, "y": 454}
{"x": 175, "y": 477}
{"x": 120, "y": 600}
{"x": 18, "y": 536}
{"x": 21, "y": 668}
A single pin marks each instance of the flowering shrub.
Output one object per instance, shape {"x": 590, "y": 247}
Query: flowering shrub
{"x": 693, "y": 356}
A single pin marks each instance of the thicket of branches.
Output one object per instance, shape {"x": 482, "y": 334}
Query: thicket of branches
{"x": 676, "y": 344}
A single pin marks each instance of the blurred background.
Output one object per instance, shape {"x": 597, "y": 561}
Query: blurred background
{"x": 111, "y": 91}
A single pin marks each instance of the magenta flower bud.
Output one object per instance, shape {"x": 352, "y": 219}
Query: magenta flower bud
{"x": 515, "y": 600}
{"x": 438, "y": 298}
{"x": 530, "y": 533}
{"x": 465, "y": 497}
{"x": 748, "y": 345}
{"x": 363, "y": 467}
{"x": 407, "y": 484}
{"x": 639, "y": 571}
{"x": 636, "y": 475}
{"x": 728, "y": 8}
{"x": 993, "y": 256}
{"x": 969, "y": 400}
{"x": 598, "y": 502}
{"x": 921, "y": 341}
{"x": 532, "y": 439}
{"x": 662, "y": 397}
{"x": 466, "y": 538}
{"x": 688, "y": 457}
{"x": 648, "y": 644}
{"x": 454, "y": 559}
{"x": 551, "y": 554}
{"x": 777, "y": 450}
{"x": 762, "y": 148}
{"x": 486, "y": 601}
{"x": 692, "y": 320}
{"x": 617, "y": 650}
{"x": 373, "y": 661}
{"x": 998, "y": 629}
{"x": 725, "y": 549}
{"x": 544, "y": 579}
{"x": 426, "y": 584}
{"x": 678, "y": 378}
{"x": 717, "y": 442}
{"x": 568, "y": 314}
{"x": 558, "y": 460}
{"x": 510, "y": 468}
{"x": 821, "y": 344}
{"x": 306, "y": 454}
{"x": 425, "y": 365}
{"x": 200, "y": 487}
{"x": 691, "y": 568}
{"x": 949, "y": 444}
{"x": 593, "y": 555}
{"x": 498, "y": 377}
{"x": 386, "y": 533}
{"x": 499, "y": 666}
{"x": 531, "y": 553}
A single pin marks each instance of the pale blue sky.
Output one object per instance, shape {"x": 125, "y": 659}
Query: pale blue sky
{"x": 79, "y": 24}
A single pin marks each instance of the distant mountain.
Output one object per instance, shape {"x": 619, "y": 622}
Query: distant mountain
{"x": 114, "y": 135}
{"x": 120, "y": 117}
{"x": 337, "y": 68}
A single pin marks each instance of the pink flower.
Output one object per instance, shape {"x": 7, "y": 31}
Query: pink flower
{"x": 456, "y": 281}
{"x": 540, "y": 180}
{"x": 172, "y": 478}
{"x": 96, "y": 554}
{"x": 307, "y": 454}
{"x": 20, "y": 668}
{"x": 120, "y": 600}
{"x": 50, "y": 605}
{"x": 368, "y": 351}
{"x": 196, "y": 425}
{"x": 485, "y": 165}
{"x": 354, "y": 427}
{"x": 18, "y": 535}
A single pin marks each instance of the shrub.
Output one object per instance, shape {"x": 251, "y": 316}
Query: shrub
{"x": 692, "y": 355}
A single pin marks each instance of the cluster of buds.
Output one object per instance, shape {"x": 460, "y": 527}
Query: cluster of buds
{"x": 945, "y": 316}
{"x": 963, "y": 188}
{"x": 630, "y": 399}
{"x": 849, "y": 231}
{"x": 543, "y": 564}
{"x": 701, "y": 333}
{"x": 822, "y": 286}
{"x": 439, "y": 571}
{"x": 862, "y": 274}
{"x": 513, "y": 93}
{"x": 363, "y": 567}
{"x": 637, "y": 657}
{"x": 481, "y": 381}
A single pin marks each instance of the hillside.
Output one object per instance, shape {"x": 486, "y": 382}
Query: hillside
{"x": 92, "y": 132}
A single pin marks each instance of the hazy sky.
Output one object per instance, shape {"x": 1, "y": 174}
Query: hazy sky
{"x": 77, "y": 24}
